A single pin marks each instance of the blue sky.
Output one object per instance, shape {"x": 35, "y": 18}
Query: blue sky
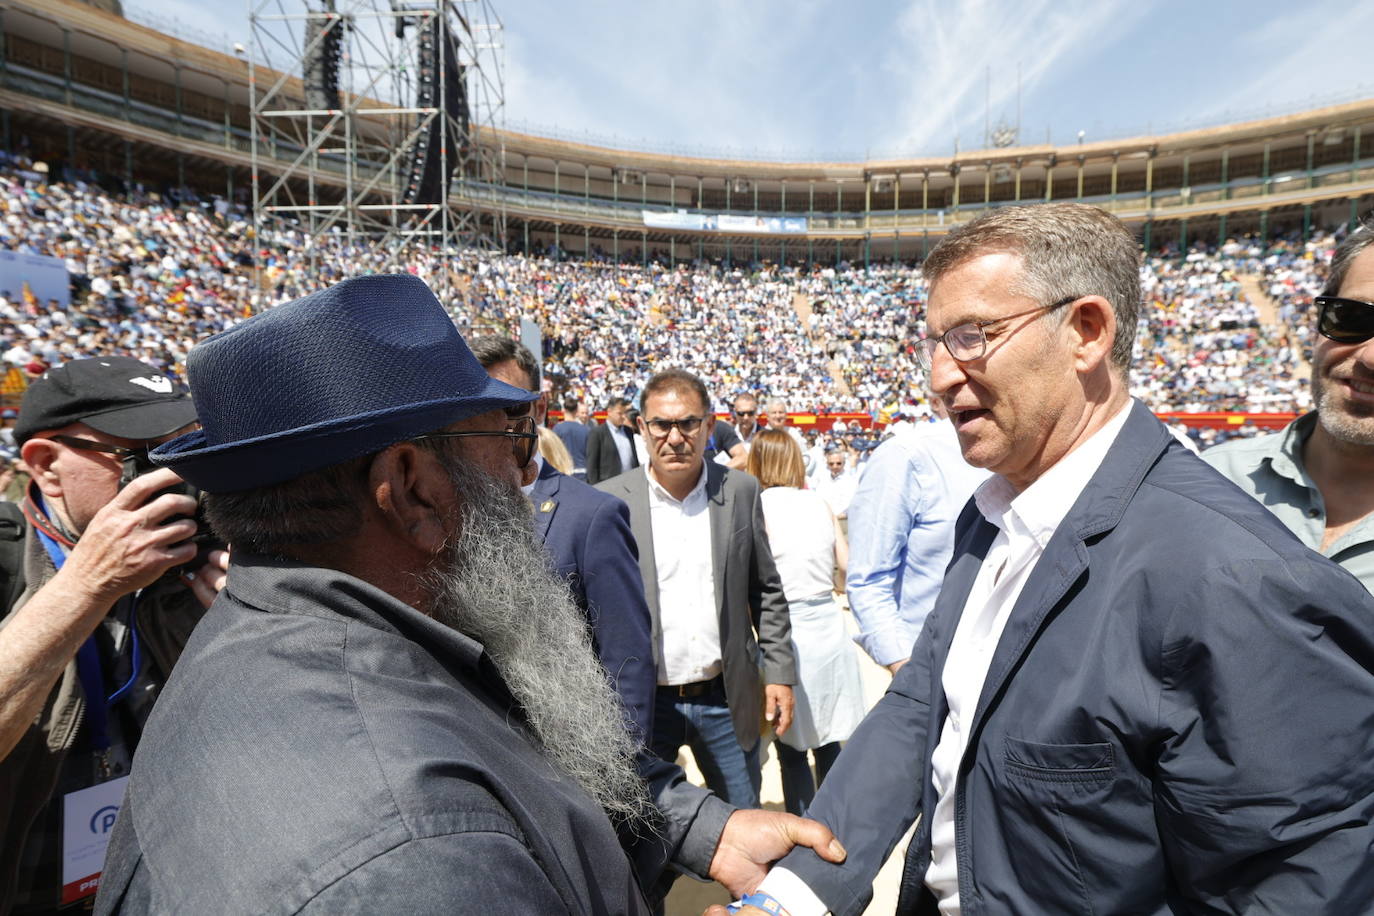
{"x": 807, "y": 79}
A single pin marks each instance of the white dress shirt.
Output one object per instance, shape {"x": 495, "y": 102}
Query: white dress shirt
{"x": 1025, "y": 523}
{"x": 620, "y": 435}
{"x": 688, "y": 644}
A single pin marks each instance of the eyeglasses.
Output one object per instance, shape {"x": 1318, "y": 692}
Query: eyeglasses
{"x": 746, "y": 413}
{"x": 90, "y": 445}
{"x": 967, "y": 342}
{"x": 1347, "y": 321}
{"x": 522, "y": 433}
{"x": 661, "y": 429}
{"x": 135, "y": 460}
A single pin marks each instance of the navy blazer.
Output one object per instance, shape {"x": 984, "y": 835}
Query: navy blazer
{"x": 587, "y": 535}
{"x": 1179, "y": 717}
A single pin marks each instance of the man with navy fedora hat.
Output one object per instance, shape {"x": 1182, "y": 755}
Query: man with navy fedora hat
{"x": 392, "y": 706}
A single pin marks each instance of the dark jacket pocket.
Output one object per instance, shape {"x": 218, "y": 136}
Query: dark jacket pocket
{"x": 1087, "y": 763}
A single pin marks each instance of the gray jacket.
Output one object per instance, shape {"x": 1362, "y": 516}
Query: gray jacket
{"x": 755, "y": 629}
{"x": 325, "y": 748}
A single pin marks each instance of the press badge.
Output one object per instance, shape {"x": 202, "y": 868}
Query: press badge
{"x": 87, "y": 818}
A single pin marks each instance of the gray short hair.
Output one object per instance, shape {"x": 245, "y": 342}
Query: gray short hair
{"x": 1066, "y": 249}
{"x": 1355, "y": 243}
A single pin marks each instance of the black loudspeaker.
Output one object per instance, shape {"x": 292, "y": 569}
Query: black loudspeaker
{"x": 321, "y": 66}
{"x": 445, "y": 141}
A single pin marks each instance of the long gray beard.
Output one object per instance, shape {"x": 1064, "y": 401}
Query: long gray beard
{"x": 495, "y": 585}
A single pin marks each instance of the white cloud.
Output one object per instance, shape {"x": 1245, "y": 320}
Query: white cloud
{"x": 942, "y": 56}
{"x": 713, "y": 77}
{"x": 1303, "y": 55}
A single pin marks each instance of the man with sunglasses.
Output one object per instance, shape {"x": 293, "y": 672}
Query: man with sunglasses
{"x": 1136, "y": 692}
{"x": 1315, "y": 474}
{"x": 731, "y": 443}
{"x": 720, "y": 617}
{"x": 587, "y": 535}
{"x": 93, "y": 621}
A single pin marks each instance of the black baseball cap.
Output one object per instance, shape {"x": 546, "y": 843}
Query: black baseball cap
{"x": 115, "y": 395}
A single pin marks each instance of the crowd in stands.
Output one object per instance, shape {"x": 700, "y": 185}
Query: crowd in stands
{"x": 153, "y": 275}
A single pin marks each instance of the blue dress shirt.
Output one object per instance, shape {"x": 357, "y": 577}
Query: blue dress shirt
{"x": 901, "y": 535}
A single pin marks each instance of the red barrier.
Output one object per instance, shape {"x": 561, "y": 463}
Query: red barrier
{"x": 1224, "y": 420}
{"x": 1216, "y": 420}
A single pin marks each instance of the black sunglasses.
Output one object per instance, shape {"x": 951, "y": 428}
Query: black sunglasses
{"x": 662, "y": 429}
{"x": 521, "y": 431}
{"x": 90, "y": 445}
{"x": 1345, "y": 321}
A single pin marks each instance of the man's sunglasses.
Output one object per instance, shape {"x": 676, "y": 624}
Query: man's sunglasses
{"x": 90, "y": 445}
{"x": 521, "y": 431}
{"x": 1347, "y": 321}
{"x": 135, "y": 460}
{"x": 662, "y": 429}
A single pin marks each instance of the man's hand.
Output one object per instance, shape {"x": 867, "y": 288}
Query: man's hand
{"x": 130, "y": 542}
{"x": 778, "y": 705}
{"x": 125, "y": 546}
{"x": 206, "y": 582}
{"x": 897, "y": 666}
{"x": 753, "y": 839}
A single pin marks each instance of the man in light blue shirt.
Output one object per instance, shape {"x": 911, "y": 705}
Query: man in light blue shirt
{"x": 901, "y": 535}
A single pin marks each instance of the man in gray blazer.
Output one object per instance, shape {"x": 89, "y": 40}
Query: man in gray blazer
{"x": 719, "y": 614}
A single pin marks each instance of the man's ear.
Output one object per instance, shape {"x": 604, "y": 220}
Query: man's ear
{"x": 1092, "y": 322}
{"x": 414, "y": 495}
{"x": 540, "y": 410}
{"x": 41, "y": 457}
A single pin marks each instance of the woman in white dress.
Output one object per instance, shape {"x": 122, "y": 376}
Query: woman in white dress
{"x": 807, "y": 546}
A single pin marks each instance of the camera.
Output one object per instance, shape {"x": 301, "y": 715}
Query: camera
{"x": 138, "y": 464}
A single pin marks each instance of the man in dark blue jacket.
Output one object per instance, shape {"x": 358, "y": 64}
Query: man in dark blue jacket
{"x": 1137, "y": 691}
{"x": 587, "y": 536}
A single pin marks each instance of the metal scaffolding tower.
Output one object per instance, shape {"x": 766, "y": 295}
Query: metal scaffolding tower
{"x": 366, "y": 116}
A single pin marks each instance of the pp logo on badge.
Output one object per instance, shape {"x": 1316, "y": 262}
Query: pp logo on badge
{"x": 104, "y": 819}
{"x": 88, "y": 819}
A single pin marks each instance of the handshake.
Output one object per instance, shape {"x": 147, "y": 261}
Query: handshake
{"x": 752, "y": 841}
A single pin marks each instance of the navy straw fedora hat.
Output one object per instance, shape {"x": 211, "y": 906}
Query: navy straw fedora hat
{"x": 334, "y": 375}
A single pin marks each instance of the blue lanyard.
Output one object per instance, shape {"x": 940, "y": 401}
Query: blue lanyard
{"x": 88, "y": 668}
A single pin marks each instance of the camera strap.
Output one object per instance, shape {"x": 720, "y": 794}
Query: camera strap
{"x": 89, "y": 670}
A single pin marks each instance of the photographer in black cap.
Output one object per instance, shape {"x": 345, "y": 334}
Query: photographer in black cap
{"x": 95, "y": 612}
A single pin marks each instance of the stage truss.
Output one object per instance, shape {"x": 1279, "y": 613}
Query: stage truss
{"x": 339, "y": 171}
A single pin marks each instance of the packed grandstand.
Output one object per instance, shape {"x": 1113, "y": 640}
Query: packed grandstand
{"x": 151, "y": 274}
{"x": 126, "y": 163}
